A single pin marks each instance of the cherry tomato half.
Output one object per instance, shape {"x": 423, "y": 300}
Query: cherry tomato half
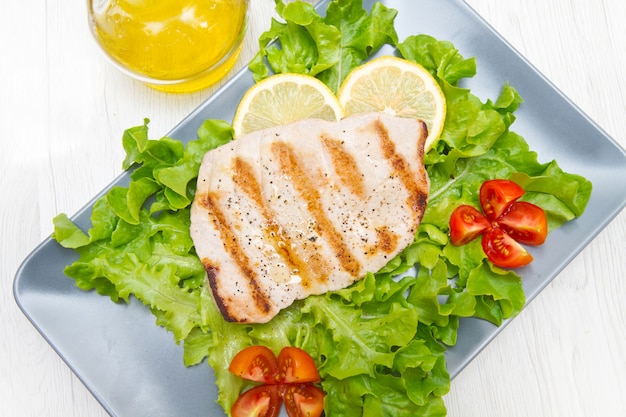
{"x": 466, "y": 224}
{"x": 296, "y": 366}
{"x": 303, "y": 400}
{"x": 255, "y": 363}
{"x": 287, "y": 378}
{"x": 526, "y": 223}
{"x": 502, "y": 250}
{"x": 260, "y": 401}
{"x": 496, "y": 196}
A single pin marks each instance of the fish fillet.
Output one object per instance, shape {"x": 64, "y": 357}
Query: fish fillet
{"x": 306, "y": 208}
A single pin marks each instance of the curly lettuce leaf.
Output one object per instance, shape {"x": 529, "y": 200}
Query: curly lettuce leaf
{"x": 164, "y": 168}
{"x": 130, "y": 250}
{"x": 326, "y": 47}
{"x": 303, "y": 43}
{"x": 361, "y": 36}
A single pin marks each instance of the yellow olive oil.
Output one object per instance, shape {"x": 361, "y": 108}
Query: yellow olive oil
{"x": 173, "y": 45}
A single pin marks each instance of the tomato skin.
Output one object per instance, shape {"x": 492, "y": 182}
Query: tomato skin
{"x": 505, "y": 225}
{"x": 260, "y": 401}
{"x": 303, "y": 400}
{"x": 526, "y": 223}
{"x": 503, "y": 251}
{"x": 296, "y": 366}
{"x": 287, "y": 379}
{"x": 255, "y": 363}
{"x": 466, "y": 224}
{"x": 496, "y": 196}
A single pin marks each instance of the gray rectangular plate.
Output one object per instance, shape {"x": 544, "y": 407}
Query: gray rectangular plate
{"x": 135, "y": 369}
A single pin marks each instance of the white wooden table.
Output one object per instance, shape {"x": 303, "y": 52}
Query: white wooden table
{"x": 63, "y": 109}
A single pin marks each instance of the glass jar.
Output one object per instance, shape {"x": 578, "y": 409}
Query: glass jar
{"x": 171, "y": 45}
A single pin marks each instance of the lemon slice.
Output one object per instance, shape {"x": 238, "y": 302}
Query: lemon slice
{"x": 285, "y": 98}
{"x": 398, "y": 87}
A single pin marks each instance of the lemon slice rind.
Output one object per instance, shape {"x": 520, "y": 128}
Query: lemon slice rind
{"x": 398, "y": 87}
{"x": 285, "y": 98}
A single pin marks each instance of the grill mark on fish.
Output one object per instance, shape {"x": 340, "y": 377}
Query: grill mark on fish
{"x": 345, "y": 165}
{"x": 212, "y": 271}
{"x": 387, "y": 239}
{"x": 316, "y": 269}
{"x": 234, "y": 249}
{"x": 291, "y": 165}
{"x": 401, "y": 169}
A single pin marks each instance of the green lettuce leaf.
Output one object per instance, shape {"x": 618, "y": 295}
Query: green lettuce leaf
{"x": 361, "y": 36}
{"x": 130, "y": 250}
{"x": 303, "y": 43}
{"x": 327, "y": 47}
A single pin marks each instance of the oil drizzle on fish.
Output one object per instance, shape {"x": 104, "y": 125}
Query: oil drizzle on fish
{"x": 292, "y": 166}
{"x": 311, "y": 269}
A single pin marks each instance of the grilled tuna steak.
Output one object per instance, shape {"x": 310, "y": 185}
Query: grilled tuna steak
{"x": 305, "y": 208}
